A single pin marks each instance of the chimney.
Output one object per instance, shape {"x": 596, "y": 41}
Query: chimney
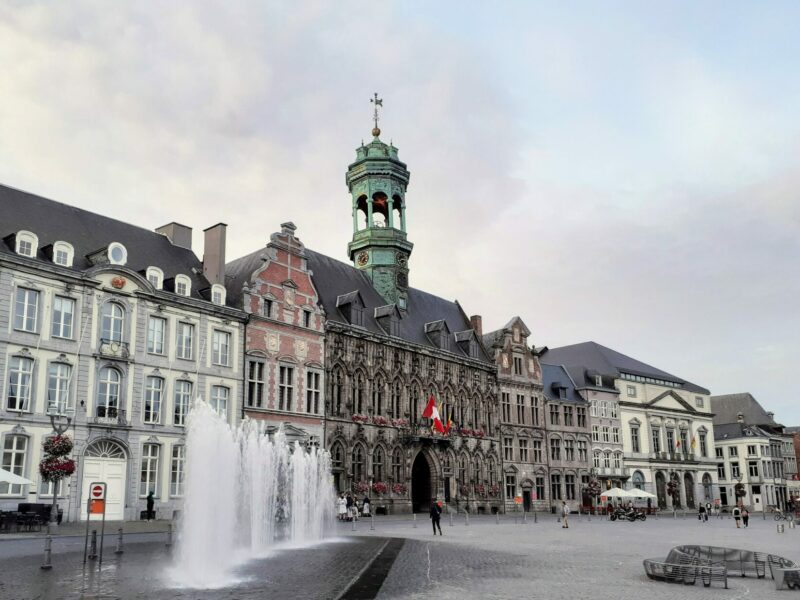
{"x": 771, "y": 416}
{"x": 477, "y": 324}
{"x": 214, "y": 253}
{"x": 179, "y": 235}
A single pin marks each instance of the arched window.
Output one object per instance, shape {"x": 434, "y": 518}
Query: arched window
{"x": 337, "y": 391}
{"x": 358, "y": 393}
{"x": 113, "y": 322}
{"x": 63, "y": 254}
{"x": 476, "y": 413}
{"x": 596, "y": 459}
{"x": 463, "y": 411}
{"x": 492, "y": 471}
{"x": 108, "y": 393}
{"x": 638, "y": 480}
{"x": 183, "y": 285}
{"x": 27, "y": 243}
{"x": 377, "y": 464}
{"x": 156, "y": 277}
{"x": 337, "y": 456}
{"x": 397, "y": 465}
{"x": 218, "y": 294}
{"x": 413, "y": 402}
{"x": 397, "y": 399}
{"x": 378, "y": 391}
{"x": 358, "y": 463}
{"x": 462, "y": 470}
{"x": 607, "y": 459}
{"x": 707, "y": 486}
{"x": 477, "y": 470}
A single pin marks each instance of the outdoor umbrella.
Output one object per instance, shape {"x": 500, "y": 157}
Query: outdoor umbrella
{"x": 640, "y": 494}
{"x": 615, "y": 493}
{"x": 8, "y": 477}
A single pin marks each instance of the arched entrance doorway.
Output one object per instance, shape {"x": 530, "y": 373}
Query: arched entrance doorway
{"x": 688, "y": 484}
{"x": 105, "y": 460}
{"x": 420, "y": 484}
{"x": 661, "y": 489}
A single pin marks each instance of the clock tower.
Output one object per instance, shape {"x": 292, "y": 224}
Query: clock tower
{"x": 377, "y": 181}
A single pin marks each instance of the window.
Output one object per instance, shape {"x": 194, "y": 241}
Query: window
{"x": 377, "y": 464}
{"x": 219, "y": 400}
{"x": 517, "y": 365}
{"x": 612, "y": 410}
{"x": 183, "y": 395}
{"x": 397, "y": 401}
{"x": 27, "y": 243}
{"x": 255, "y": 383}
{"x": 58, "y": 375}
{"x": 266, "y": 309}
{"x": 581, "y": 417}
{"x": 569, "y": 487}
{"x": 735, "y": 473}
{"x": 607, "y": 459}
{"x": 358, "y": 463}
{"x": 535, "y": 410}
{"x": 477, "y": 471}
{"x": 397, "y": 465}
{"x": 285, "y": 387}
{"x": 177, "y": 470}
{"x": 537, "y": 451}
{"x": 540, "y": 488}
{"x": 27, "y": 310}
{"x": 617, "y": 460}
{"x": 595, "y": 433}
{"x": 108, "y": 393}
{"x": 703, "y": 445}
{"x": 520, "y": 409}
{"x": 684, "y": 441}
{"x": 604, "y": 409}
{"x": 306, "y": 318}
{"x": 221, "y": 348}
{"x": 606, "y": 436}
{"x": 506, "y": 404}
{"x": 508, "y": 448}
{"x": 670, "y": 440}
{"x": 148, "y": 481}
{"x": 699, "y": 402}
{"x": 218, "y": 294}
{"x": 313, "y": 389}
{"x": 598, "y": 381}
{"x": 555, "y": 449}
{"x": 719, "y": 452}
{"x": 153, "y": 393}
{"x": 733, "y": 451}
{"x": 631, "y": 391}
{"x": 63, "y": 315}
{"x": 635, "y": 446}
{"x": 185, "y": 341}
{"x": 596, "y": 458}
{"x": 583, "y": 451}
{"x": 358, "y": 394}
{"x": 721, "y": 470}
{"x": 656, "y": 439}
{"x": 183, "y": 285}
{"x": 594, "y": 408}
{"x": 523, "y": 450}
{"x": 20, "y": 381}
{"x": 117, "y": 254}
{"x": 511, "y": 485}
{"x": 14, "y": 450}
{"x": 156, "y": 277}
{"x": 752, "y": 451}
{"x": 555, "y": 486}
{"x": 615, "y": 435}
{"x": 113, "y": 321}
{"x": 554, "y": 414}
{"x": 568, "y": 416}
{"x": 156, "y": 333}
{"x": 752, "y": 468}
{"x": 46, "y": 487}
{"x": 569, "y": 450}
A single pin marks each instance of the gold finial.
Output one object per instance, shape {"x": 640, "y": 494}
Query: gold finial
{"x": 377, "y": 102}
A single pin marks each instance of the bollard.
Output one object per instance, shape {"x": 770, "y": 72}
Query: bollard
{"x": 450, "y": 514}
{"x": 353, "y": 522}
{"x": 466, "y": 518}
{"x": 415, "y": 521}
{"x": 764, "y": 515}
{"x": 119, "y": 549}
{"x": 169, "y": 535}
{"x": 497, "y": 518}
{"x": 372, "y": 522}
{"x": 48, "y": 552}
{"x": 93, "y": 545}
{"x": 535, "y": 517}
{"x": 780, "y": 527}
{"x": 524, "y": 517}
{"x": 791, "y": 524}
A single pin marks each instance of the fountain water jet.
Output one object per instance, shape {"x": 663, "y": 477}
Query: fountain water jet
{"x": 245, "y": 493}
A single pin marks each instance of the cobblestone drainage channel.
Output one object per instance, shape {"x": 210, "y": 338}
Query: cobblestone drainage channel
{"x": 368, "y": 582}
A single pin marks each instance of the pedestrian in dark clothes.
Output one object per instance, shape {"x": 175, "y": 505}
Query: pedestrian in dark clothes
{"x": 436, "y": 516}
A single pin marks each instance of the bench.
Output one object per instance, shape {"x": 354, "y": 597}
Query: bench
{"x": 686, "y": 570}
{"x": 789, "y": 576}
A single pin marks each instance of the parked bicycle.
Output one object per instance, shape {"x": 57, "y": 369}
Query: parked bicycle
{"x": 782, "y": 516}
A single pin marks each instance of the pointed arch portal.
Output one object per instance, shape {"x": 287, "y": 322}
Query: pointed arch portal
{"x": 420, "y": 484}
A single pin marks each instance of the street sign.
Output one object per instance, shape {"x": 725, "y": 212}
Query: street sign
{"x": 95, "y": 505}
{"x": 517, "y": 499}
{"x": 98, "y": 491}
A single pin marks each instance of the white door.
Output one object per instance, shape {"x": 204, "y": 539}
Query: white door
{"x": 112, "y": 472}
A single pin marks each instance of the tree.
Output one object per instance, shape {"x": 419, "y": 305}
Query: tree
{"x": 55, "y": 466}
{"x": 674, "y": 490}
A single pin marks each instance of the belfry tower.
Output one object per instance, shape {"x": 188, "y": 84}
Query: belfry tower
{"x": 377, "y": 181}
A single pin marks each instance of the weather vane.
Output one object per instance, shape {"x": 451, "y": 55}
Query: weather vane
{"x": 377, "y": 102}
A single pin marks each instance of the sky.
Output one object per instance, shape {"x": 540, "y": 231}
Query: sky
{"x": 622, "y": 172}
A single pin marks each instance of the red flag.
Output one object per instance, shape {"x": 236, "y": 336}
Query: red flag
{"x": 431, "y": 412}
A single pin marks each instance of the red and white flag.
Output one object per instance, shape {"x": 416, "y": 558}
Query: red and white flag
{"x": 431, "y": 412}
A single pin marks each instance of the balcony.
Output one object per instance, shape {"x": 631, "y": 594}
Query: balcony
{"x": 612, "y": 471}
{"x": 114, "y": 349}
{"x": 422, "y": 434}
{"x": 109, "y": 416}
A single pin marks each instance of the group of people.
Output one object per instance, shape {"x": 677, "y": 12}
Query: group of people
{"x": 741, "y": 514}
{"x": 349, "y": 508}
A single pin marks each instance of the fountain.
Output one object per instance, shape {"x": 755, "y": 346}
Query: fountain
{"x": 246, "y": 495}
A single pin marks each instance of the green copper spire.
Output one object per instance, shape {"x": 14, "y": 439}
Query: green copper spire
{"x": 377, "y": 181}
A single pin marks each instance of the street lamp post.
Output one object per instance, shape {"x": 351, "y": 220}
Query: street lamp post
{"x": 59, "y": 428}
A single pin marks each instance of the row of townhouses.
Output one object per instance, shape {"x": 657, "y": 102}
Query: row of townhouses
{"x": 116, "y": 330}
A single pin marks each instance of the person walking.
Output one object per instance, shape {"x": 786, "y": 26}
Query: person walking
{"x": 348, "y": 504}
{"x": 365, "y": 506}
{"x": 745, "y": 517}
{"x": 737, "y": 516}
{"x": 564, "y": 515}
{"x": 150, "y": 502}
{"x": 342, "y": 507}
{"x": 436, "y": 516}
{"x": 708, "y": 510}
{"x": 702, "y": 516}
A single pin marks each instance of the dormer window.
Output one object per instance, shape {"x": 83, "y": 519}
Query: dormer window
{"x": 562, "y": 393}
{"x": 218, "y": 294}
{"x": 156, "y": 277}
{"x": 63, "y": 254}
{"x": 183, "y": 285}
{"x": 598, "y": 381}
{"x": 352, "y": 308}
{"x": 27, "y": 244}
{"x": 117, "y": 254}
{"x": 438, "y": 333}
{"x": 388, "y": 317}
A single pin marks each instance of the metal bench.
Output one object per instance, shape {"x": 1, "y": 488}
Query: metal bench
{"x": 788, "y": 576}
{"x": 686, "y": 570}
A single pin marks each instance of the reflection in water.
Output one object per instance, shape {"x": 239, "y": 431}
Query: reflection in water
{"x": 245, "y": 495}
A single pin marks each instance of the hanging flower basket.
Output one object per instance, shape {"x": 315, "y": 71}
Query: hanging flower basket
{"x": 58, "y": 445}
{"x": 381, "y": 421}
{"x": 360, "y": 418}
{"x": 399, "y": 489}
{"x": 478, "y": 433}
{"x": 494, "y": 491}
{"x": 362, "y": 487}
{"x": 464, "y": 490}
{"x": 480, "y": 490}
{"x": 400, "y": 422}
{"x": 56, "y": 468}
{"x": 380, "y": 488}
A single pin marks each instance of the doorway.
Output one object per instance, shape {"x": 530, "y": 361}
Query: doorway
{"x": 661, "y": 490}
{"x": 420, "y": 484}
{"x": 105, "y": 461}
{"x": 688, "y": 484}
{"x": 526, "y": 500}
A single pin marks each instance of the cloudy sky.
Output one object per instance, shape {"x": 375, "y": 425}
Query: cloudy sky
{"x": 619, "y": 171}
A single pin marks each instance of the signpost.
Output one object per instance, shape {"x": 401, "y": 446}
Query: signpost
{"x": 96, "y": 505}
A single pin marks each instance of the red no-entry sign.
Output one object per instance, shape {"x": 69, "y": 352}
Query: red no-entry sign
{"x": 98, "y": 491}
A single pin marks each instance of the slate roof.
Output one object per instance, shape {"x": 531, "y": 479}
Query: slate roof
{"x": 606, "y": 361}
{"x": 733, "y": 431}
{"x": 554, "y": 376}
{"x": 727, "y": 407}
{"x": 88, "y": 232}
{"x": 333, "y": 278}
